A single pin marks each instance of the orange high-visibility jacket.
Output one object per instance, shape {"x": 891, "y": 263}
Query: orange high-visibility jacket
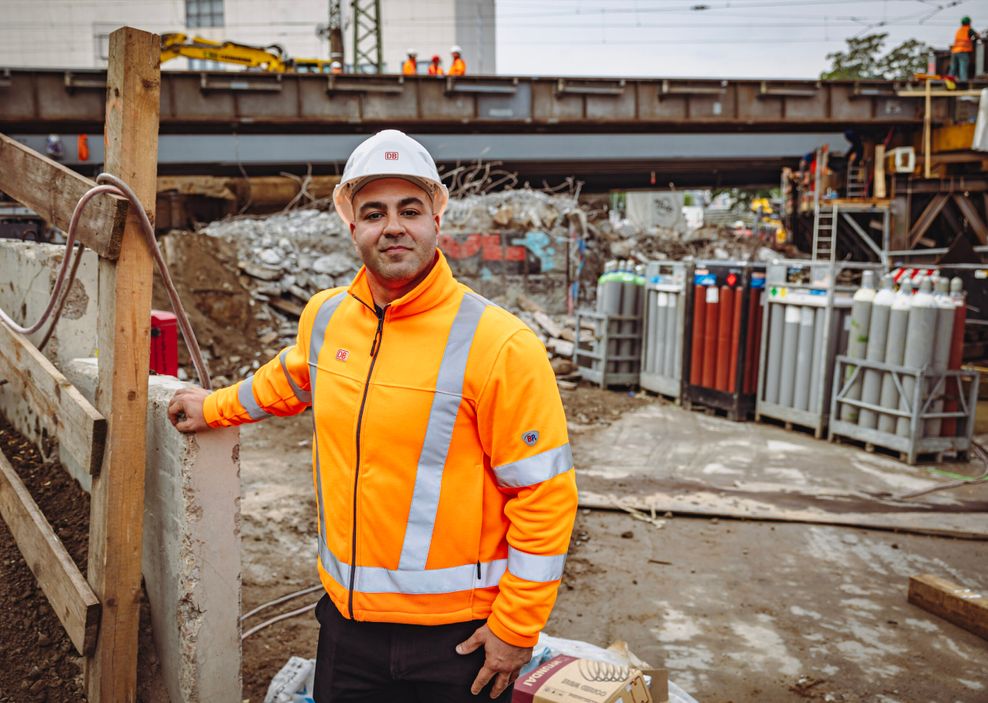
{"x": 409, "y": 67}
{"x": 435, "y": 70}
{"x": 962, "y": 41}
{"x": 441, "y": 457}
{"x": 458, "y": 68}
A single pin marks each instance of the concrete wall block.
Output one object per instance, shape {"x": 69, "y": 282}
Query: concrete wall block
{"x": 191, "y": 558}
{"x": 27, "y": 276}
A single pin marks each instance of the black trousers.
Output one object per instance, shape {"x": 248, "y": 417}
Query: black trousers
{"x": 378, "y": 662}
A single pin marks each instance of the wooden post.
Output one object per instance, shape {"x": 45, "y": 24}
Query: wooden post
{"x": 117, "y": 515}
{"x": 927, "y": 130}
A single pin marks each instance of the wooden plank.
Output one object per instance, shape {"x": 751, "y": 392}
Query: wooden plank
{"x": 926, "y": 218}
{"x": 711, "y": 503}
{"x": 548, "y": 324}
{"x": 124, "y": 333}
{"x": 57, "y": 405}
{"x": 70, "y": 596}
{"x": 961, "y": 606}
{"x": 52, "y": 190}
{"x": 972, "y": 216}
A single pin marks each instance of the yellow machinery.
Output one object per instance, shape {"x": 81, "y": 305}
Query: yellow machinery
{"x": 264, "y": 58}
{"x": 270, "y": 58}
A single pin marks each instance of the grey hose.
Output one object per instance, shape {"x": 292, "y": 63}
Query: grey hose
{"x": 66, "y": 275}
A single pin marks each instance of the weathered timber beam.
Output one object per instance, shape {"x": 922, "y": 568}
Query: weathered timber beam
{"x": 57, "y": 405}
{"x": 961, "y": 606}
{"x": 926, "y": 218}
{"x": 973, "y": 218}
{"x": 70, "y": 596}
{"x": 52, "y": 190}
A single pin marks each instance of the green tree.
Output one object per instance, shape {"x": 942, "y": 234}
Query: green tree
{"x": 863, "y": 59}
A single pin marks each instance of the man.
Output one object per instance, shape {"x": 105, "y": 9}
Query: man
{"x": 435, "y": 66}
{"x": 962, "y": 49}
{"x": 336, "y": 68}
{"x": 441, "y": 462}
{"x": 459, "y": 66}
{"x": 410, "y": 66}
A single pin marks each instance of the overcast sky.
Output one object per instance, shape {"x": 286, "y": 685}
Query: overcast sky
{"x": 709, "y": 38}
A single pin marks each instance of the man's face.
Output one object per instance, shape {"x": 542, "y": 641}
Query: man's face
{"x": 395, "y": 231}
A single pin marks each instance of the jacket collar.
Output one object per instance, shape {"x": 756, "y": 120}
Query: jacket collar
{"x": 432, "y": 290}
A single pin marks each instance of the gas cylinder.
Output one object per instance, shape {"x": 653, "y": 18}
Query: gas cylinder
{"x": 919, "y": 351}
{"x": 871, "y": 387}
{"x": 895, "y": 343}
{"x": 773, "y": 364}
{"x": 952, "y": 402}
{"x": 857, "y": 343}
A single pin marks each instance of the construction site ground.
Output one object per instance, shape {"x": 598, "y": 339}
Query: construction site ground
{"x": 739, "y": 610}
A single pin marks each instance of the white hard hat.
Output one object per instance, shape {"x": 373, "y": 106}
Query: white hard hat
{"x": 389, "y": 154}
{"x": 455, "y": 49}
{"x": 412, "y": 52}
{"x": 336, "y": 64}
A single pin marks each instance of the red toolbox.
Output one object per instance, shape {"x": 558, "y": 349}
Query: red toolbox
{"x": 164, "y": 343}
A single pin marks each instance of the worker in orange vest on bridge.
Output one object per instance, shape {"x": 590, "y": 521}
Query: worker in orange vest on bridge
{"x": 962, "y": 49}
{"x": 459, "y": 66}
{"x": 410, "y": 65}
{"x": 436, "y": 68}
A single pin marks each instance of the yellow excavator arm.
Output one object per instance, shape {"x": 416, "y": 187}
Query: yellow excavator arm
{"x": 269, "y": 58}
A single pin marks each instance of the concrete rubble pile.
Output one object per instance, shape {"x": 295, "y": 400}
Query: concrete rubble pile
{"x": 280, "y": 261}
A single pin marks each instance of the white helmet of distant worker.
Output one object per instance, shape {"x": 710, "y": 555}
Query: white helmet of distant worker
{"x": 455, "y": 49}
{"x": 389, "y": 154}
{"x": 412, "y": 52}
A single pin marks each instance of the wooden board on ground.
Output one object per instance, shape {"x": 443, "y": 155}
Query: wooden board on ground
{"x": 52, "y": 190}
{"x": 961, "y": 606}
{"x": 70, "y": 596}
{"x": 710, "y": 504}
{"x": 57, "y": 406}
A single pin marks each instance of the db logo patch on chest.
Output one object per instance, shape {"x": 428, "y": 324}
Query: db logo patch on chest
{"x": 342, "y": 355}
{"x": 530, "y": 437}
{"x": 391, "y": 156}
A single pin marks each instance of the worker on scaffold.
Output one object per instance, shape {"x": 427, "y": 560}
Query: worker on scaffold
{"x": 410, "y": 66}
{"x": 436, "y": 66}
{"x": 459, "y": 66}
{"x": 962, "y": 49}
{"x": 444, "y": 481}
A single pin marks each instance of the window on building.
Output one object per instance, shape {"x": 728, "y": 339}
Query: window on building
{"x": 203, "y": 13}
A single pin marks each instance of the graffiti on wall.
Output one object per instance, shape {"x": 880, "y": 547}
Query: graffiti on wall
{"x": 493, "y": 253}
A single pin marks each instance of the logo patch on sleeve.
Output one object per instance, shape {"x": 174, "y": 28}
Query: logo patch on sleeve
{"x": 342, "y": 354}
{"x": 530, "y": 437}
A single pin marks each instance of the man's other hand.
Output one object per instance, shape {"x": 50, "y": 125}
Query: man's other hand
{"x": 185, "y": 410}
{"x": 502, "y": 660}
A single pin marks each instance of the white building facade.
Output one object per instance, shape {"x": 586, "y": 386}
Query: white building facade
{"x": 73, "y": 33}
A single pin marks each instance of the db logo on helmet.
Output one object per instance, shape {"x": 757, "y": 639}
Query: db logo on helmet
{"x": 391, "y": 156}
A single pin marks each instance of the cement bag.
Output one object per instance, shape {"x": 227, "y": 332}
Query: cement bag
{"x": 293, "y": 684}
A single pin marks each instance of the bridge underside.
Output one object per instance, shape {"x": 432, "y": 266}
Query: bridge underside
{"x": 600, "y": 161}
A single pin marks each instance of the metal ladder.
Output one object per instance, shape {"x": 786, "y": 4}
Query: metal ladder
{"x": 857, "y": 186}
{"x": 825, "y": 232}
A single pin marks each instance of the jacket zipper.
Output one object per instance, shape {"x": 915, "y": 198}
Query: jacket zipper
{"x": 375, "y": 348}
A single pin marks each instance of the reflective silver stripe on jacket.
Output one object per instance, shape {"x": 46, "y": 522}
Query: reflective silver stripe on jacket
{"x": 534, "y": 469}
{"x": 245, "y": 394}
{"x": 535, "y": 567}
{"x": 376, "y": 579}
{"x": 303, "y": 396}
{"x": 439, "y": 434}
{"x": 316, "y": 339}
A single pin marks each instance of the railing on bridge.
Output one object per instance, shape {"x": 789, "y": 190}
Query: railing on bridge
{"x": 43, "y": 100}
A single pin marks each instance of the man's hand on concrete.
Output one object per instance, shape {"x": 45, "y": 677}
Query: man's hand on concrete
{"x": 502, "y": 660}
{"x": 185, "y": 410}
